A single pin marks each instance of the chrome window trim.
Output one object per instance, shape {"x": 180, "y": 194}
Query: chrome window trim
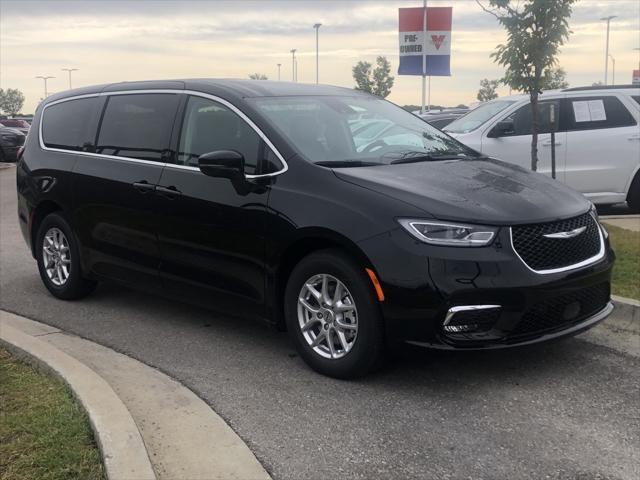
{"x": 465, "y": 308}
{"x": 214, "y": 98}
{"x": 583, "y": 263}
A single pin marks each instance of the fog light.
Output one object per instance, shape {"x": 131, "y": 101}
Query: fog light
{"x": 471, "y": 318}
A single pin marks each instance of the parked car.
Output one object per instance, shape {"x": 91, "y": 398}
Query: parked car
{"x": 441, "y": 120}
{"x": 18, "y": 124}
{"x": 597, "y": 141}
{"x": 11, "y": 140}
{"x": 251, "y": 198}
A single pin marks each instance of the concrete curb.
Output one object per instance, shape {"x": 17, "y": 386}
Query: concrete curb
{"x": 183, "y": 437}
{"x": 123, "y": 451}
{"x": 627, "y": 307}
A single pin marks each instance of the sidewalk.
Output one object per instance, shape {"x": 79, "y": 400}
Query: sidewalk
{"x": 146, "y": 423}
{"x": 629, "y": 222}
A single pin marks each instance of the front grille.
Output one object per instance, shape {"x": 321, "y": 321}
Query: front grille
{"x": 542, "y": 253}
{"x": 563, "y": 310}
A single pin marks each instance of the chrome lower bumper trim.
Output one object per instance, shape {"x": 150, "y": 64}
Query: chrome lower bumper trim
{"x": 573, "y": 330}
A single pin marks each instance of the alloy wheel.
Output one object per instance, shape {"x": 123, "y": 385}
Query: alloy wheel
{"x": 56, "y": 256}
{"x": 327, "y": 316}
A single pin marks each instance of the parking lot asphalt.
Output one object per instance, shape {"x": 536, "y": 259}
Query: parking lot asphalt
{"x": 566, "y": 410}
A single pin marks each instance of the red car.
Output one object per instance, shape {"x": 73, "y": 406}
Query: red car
{"x": 21, "y": 125}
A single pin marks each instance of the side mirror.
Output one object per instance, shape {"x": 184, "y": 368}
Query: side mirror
{"x": 222, "y": 163}
{"x": 502, "y": 128}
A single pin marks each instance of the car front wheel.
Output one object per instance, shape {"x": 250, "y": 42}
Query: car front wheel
{"x": 332, "y": 315}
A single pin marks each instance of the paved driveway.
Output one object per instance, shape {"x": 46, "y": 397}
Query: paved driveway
{"x": 568, "y": 410}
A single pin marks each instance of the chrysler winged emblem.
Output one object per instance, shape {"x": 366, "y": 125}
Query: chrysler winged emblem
{"x": 569, "y": 234}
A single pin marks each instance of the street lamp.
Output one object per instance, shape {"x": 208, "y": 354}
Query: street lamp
{"x": 70, "y": 70}
{"x": 613, "y": 61}
{"x": 45, "y": 78}
{"x": 606, "y": 52}
{"x": 293, "y": 64}
{"x": 317, "y": 27}
{"x": 279, "y": 65}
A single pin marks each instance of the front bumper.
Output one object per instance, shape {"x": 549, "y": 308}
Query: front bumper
{"x": 422, "y": 283}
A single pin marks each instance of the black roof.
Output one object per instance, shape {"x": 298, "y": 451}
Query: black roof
{"x": 221, "y": 87}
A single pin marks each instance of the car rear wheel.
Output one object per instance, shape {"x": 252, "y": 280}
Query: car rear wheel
{"x": 332, "y": 315}
{"x": 58, "y": 260}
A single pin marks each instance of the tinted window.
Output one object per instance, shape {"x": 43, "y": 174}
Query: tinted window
{"x": 636, "y": 98}
{"x": 209, "y": 126}
{"x": 590, "y": 113}
{"x": 523, "y": 122}
{"x": 65, "y": 125}
{"x": 137, "y": 126}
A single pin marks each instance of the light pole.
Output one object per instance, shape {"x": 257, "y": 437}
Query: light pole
{"x": 317, "y": 27}
{"x": 606, "y": 52}
{"x": 70, "y": 70}
{"x": 45, "y": 78}
{"x": 613, "y": 63}
{"x": 279, "y": 65}
{"x": 293, "y": 64}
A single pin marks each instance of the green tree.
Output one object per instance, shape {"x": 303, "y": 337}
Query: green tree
{"x": 11, "y": 101}
{"x": 374, "y": 80}
{"x": 487, "y": 90}
{"x": 554, "y": 78}
{"x": 258, "y": 76}
{"x": 535, "y": 31}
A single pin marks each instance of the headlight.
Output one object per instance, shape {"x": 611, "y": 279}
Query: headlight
{"x": 450, "y": 234}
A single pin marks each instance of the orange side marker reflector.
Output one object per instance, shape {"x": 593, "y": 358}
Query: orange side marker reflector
{"x": 376, "y": 284}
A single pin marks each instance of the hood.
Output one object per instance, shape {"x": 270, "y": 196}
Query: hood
{"x": 477, "y": 191}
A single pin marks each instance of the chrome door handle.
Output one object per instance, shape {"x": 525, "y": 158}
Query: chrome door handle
{"x": 143, "y": 186}
{"x": 169, "y": 192}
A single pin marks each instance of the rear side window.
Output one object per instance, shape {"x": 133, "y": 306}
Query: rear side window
{"x": 66, "y": 125}
{"x": 137, "y": 126}
{"x": 590, "y": 113}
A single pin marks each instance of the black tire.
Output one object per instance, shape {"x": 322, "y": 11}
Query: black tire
{"x": 633, "y": 197}
{"x": 75, "y": 286}
{"x": 2, "y": 156}
{"x": 367, "y": 350}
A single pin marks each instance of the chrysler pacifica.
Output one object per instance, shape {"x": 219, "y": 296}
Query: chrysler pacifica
{"x": 258, "y": 199}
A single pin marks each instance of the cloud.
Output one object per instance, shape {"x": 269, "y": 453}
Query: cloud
{"x": 128, "y": 40}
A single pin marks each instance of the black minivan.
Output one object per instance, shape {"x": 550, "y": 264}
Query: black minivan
{"x": 323, "y": 210}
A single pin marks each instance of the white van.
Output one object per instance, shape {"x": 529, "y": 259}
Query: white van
{"x": 597, "y": 139}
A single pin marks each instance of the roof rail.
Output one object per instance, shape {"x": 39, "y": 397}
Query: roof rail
{"x": 600, "y": 87}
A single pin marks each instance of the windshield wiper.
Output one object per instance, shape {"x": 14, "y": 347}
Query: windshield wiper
{"x": 411, "y": 157}
{"x": 346, "y": 163}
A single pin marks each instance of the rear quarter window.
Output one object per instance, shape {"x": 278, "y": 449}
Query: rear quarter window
{"x": 591, "y": 113}
{"x": 65, "y": 125}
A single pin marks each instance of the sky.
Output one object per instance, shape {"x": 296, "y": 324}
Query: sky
{"x": 121, "y": 40}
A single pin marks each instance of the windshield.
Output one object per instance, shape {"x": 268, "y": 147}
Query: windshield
{"x": 478, "y": 116}
{"x": 356, "y": 131}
